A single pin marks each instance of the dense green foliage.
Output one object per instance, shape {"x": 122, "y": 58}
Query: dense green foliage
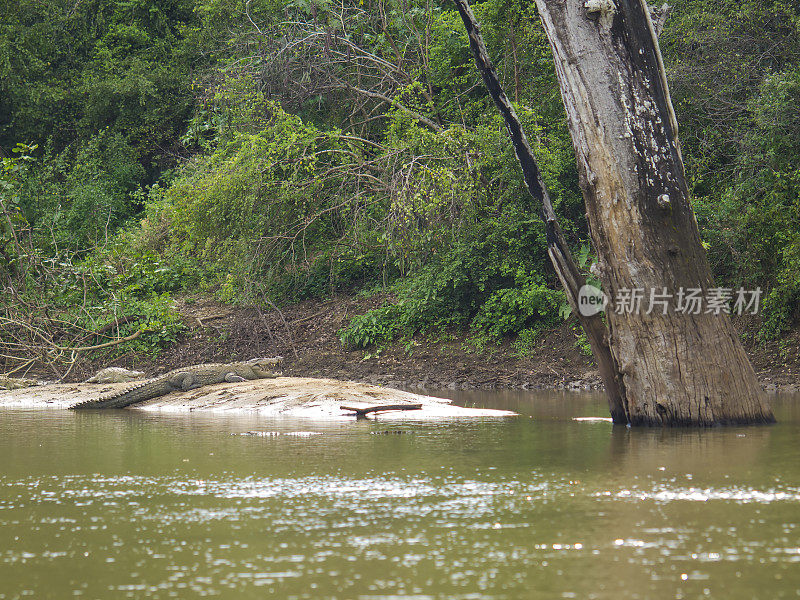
{"x": 735, "y": 75}
{"x": 271, "y": 151}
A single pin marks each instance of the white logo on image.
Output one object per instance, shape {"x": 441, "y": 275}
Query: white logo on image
{"x": 591, "y": 300}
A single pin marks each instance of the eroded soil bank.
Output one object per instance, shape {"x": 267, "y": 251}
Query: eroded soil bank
{"x": 306, "y": 335}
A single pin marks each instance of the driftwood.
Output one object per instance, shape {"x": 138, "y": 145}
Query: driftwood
{"x": 361, "y": 413}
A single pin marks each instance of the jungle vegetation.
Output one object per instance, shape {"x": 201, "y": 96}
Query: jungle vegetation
{"x": 272, "y": 151}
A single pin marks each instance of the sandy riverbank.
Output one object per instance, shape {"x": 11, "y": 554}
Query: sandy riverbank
{"x": 283, "y": 396}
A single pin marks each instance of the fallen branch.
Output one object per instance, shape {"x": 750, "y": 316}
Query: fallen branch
{"x": 133, "y": 336}
{"x": 211, "y": 318}
{"x": 361, "y": 413}
{"x": 108, "y": 327}
{"x": 310, "y": 317}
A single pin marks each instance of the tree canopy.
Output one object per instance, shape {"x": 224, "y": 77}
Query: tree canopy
{"x": 275, "y": 151}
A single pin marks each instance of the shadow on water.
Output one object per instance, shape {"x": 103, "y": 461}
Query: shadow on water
{"x": 126, "y": 504}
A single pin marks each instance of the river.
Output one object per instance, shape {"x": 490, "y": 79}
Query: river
{"x": 127, "y": 504}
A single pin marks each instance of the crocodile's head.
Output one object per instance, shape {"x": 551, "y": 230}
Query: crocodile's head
{"x": 266, "y": 365}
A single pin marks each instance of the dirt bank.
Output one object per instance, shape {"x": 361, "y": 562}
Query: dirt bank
{"x": 306, "y": 335}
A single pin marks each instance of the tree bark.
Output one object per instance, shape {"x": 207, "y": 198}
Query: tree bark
{"x": 560, "y": 256}
{"x": 677, "y": 368}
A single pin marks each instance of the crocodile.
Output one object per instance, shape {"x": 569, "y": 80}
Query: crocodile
{"x": 185, "y": 379}
{"x": 115, "y": 375}
{"x": 15, "y": 383}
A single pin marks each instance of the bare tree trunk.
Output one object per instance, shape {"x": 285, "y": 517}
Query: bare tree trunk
{"x": 677, "y": 368}
{"x": 560, "y": 256}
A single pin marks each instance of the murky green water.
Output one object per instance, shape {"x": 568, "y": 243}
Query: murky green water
{"x": 130, "y": 505}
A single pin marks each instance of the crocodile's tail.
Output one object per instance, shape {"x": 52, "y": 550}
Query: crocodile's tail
{"x": 115, "y": 399}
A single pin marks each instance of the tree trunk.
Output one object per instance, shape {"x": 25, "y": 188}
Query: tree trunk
{"x": 560, "y": 256}
{"x": 677, "y": 368}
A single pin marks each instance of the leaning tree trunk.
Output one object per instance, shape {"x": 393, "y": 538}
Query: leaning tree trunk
{"x": 560, "y": 256}
{"x": 677, "y": 368}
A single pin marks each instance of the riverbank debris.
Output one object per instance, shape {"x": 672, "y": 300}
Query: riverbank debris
{"x": 361, "y": 413}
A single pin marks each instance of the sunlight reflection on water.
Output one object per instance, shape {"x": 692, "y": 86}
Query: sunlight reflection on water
{"x": 127, "y": 505}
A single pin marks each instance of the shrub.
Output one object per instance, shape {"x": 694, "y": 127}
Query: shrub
{"x": 509, "y": 311}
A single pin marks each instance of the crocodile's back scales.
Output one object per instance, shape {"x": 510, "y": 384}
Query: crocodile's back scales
{"x": 185, "y": 379}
